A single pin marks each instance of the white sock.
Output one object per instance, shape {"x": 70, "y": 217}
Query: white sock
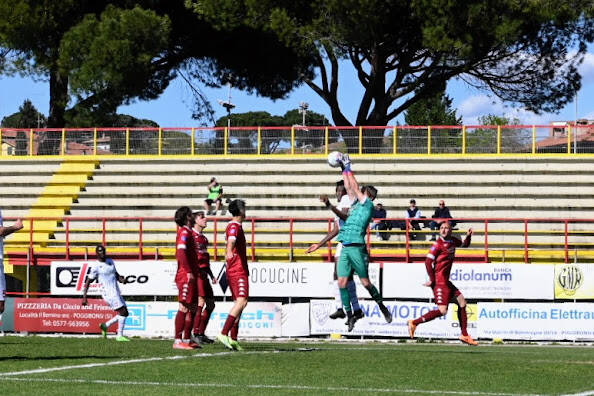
{"x": 353, "y": 295}
{"x": 121, "y": 322}
{"x": 337, "y": 300}
{"x": 111, "y": 321}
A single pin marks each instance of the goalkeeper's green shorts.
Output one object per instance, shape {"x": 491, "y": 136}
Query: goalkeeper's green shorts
{"x": 353, "y": 258}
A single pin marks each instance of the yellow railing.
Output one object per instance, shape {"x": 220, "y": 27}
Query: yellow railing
{"x": 298, "y": 140}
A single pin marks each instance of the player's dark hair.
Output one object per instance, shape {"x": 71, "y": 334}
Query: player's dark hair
{"x": 99, "y": 247}
{"x": 236, "y": 206}
{"x": 372, "y": 190}
{"x": 181, "y": 215}
{"x": 213, "y": 179}
{"x": 340, "y": 183}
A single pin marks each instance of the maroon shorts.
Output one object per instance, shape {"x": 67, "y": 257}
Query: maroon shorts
{"x": 204, "y": 288}
{"x": 443, "y": 293}
{"x": 186, "y": 290}
{"x": 239, "y": 285}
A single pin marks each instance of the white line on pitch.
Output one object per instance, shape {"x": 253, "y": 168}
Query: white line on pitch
{"x": 585, "y": 393}
{"x": 264, "y": 386}
{"x": 119, "y": 362}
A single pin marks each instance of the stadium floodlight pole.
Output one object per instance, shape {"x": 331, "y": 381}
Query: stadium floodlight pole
{"x": 576, "y": 123}
{"x": 228, "y": 106}
{"x": 303, "y": 106}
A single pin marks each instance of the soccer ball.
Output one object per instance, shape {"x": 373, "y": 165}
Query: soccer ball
{"x": 334, "y": 159}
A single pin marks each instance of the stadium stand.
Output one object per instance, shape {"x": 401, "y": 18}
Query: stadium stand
{"x": 103, "y": 199}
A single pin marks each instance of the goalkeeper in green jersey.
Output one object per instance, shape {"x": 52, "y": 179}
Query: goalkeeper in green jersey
{"x": 354, "y": 256}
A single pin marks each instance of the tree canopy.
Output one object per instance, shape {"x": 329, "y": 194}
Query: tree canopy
{"x": 26, "y": 117}
{"x": 524, "y": 52}
{"x": 99, "y": 55}
{"x": 433, "y": 110}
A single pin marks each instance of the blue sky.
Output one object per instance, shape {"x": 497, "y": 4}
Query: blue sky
{"x": 173, "y": 108}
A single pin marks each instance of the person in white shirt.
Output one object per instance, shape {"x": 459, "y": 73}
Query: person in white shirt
{"x": 341, "y": 212}
{"x": 5, "y": 231}
{"x": 105, "y": 273}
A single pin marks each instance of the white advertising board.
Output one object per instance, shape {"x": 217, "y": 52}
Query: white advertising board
{"x": 156, "y": 319}
{"x": 143, "y": 278}
{"x": 536, "y": 321}
{"x": 374, "y": 324}
{"x": 508, "y": 281}
{"x": 295, "y": 279}
{"x": 574, "y": 281}
{"x": 295, "y": 320}
{"x": 157, "y": 278}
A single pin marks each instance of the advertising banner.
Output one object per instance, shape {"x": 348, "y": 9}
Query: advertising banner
{"x": 60, "y": 315}
{"x": 155, "y": 319}
{"x": 157, "y": 278}
{"x": 143, "y": 278}
{"x": 147, "y": 319}
{"x": 374, "y": 324}
{"x": 574, "y": 281}
{"x": 295, "y": 320}
{"x": 536, "y": 321}
{"x": 508, "y": 281}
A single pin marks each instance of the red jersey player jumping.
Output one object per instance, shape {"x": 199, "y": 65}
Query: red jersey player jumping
{"x": 237, "y": 274}
{"x": 185, "y": 278}
{"x": 205, "y": 293}
{"x": 439, "y": 263}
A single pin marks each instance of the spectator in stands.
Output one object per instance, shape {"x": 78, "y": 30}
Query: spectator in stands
{"x": 4, "y": 232}
{"x": 215, "y": 195}
{"x": 413, "y": 212}
{"x": 441, "y": 212}
{"x": 379, "y": 222}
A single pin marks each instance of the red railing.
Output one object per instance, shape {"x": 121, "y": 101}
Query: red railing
{"x": 554, "y": 235}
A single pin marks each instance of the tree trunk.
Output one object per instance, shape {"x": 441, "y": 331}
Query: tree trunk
{"x": 49, "y": 142}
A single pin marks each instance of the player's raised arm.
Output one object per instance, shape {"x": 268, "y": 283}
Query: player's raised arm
{"x": 324, "y": 240}
{"x": 350, "y": 183}
{"x": 4, "y": 231}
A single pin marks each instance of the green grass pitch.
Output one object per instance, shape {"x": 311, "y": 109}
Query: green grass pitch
{"x": 45, "y": 366}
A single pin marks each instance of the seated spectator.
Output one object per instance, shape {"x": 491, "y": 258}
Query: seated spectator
{"x": 441, "y": 212}
{"x": 413, "y": 212}
{"x": 380, "y": 223}
{"x": 215, "y": 195}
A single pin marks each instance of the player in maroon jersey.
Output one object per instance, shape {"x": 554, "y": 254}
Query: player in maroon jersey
{"x": 185, "y": 278}
{"x": 205, "y": 293}
{"x": 439, "y": 263}
{"x": 237, "y": 274}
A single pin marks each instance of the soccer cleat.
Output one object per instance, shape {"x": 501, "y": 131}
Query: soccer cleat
{"x": 103, "y": 330}
{"x": 194, "y": 345}
{"x": 182, "y": 345}
{"x": 225, "y": 340}
{"x": 339, "y": 314}
{"x": 235, "y": 345}
{"x": 468, "y": 340}
{"x": 358, "y": 314}
{"x": 195, "y": 338}
{"x": 122, "y": 338}
{"x": 386, "y": 312}
{"x": 205, "y": 340}
{"x": 411, "y": 328}
{"x": 351, "y": 323}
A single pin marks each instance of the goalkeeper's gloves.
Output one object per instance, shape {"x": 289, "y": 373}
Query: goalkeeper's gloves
{"x": 345, "y": 162}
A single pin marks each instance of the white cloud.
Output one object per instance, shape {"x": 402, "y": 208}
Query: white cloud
{"x": 480, "y": 105}
{"x": 586, "y": 69}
